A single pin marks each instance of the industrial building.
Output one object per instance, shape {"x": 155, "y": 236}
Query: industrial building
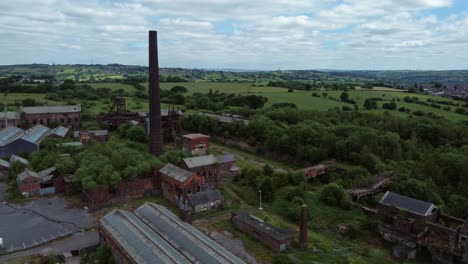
{"x": 69, "y": 115}
{"x": 14, "y": 140}
{"x": 176, "y": 182}
{"x": 414, "y": 224}
{"x": 214, "y": 169}
{"x": 153, "y": 234}
{"x": 276, "y": 238}
{"x": 203, "y": 201}
{"x": 32, "y": 183}
{"x": 10, "y": 119}
{"x": 195, "y": 143}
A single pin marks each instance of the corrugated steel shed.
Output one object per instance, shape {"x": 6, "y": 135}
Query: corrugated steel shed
{"x": 9, "y": 134}
{"x": 4, "y": 163}
{"x": 175, "y": 172}
{"x": 200, "y": 161}
{"x": 51, "y": 109}
{"x": 407, "y": 203}
{"x": 36, "y": 134}
{"x": 141, "y": 243}
{"x": 60, "y": 131}
{"x": 193, "y": 244}
{"x": 14, "y": 159}
{"x": 204, "y": 197}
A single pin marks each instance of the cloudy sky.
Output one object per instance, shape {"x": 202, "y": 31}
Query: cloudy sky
{"x": 242, "y": 34}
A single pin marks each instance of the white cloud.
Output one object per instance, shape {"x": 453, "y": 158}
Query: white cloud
{"x": 345, "y": 34}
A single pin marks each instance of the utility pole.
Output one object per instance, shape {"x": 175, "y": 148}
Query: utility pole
{"x": 260, "y": 208}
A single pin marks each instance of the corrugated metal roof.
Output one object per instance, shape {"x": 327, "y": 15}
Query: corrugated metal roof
{"x": 36, "y": 134}
{"x": 226, "y": 158}
{"x": 204, "y": 197}
{"x": 175, "y": 172}
{"x": 200, "y": 161}
{"x": 104, "y": 132}
{"x": 195, "y": 136}
{"x": 10, "y": 115}
{"x": 407, "y": 203}
{"x": 60, "y": 131}
{"x": 46, "y": 174}
{"x": 27, "y": 173}
{"x": 4, "y": 163}
{"x": 263, "y": 227}
{"x": 14, "y": 159}
{"x": 193, "y": 244}
{"x": 141, "y": 243}
{"x": 9, "y": 134}
{"x": 51, "y": 109}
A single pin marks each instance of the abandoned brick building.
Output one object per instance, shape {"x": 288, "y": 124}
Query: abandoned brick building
{"x": 195, "y": 143}
{"x": 276, "y": 238}
{"x": 176, "y": 183}
{"x": 32, "y": 183}
{"x": 406, "y": 215}
{"x": 203, "y": 201}
{"x": 216, "y": 170}
{"x": 414, "y": 224}
{"x": 69, "y": 115}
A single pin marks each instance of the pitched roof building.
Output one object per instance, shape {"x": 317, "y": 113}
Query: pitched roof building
{"x": 176, "y": 182}
{"x": 275, "y": 237}
{"x": 206, "y": 200}
{"x": 153, "y": 234}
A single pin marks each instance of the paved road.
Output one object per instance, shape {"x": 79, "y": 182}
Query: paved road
{"x": 74, "y": 242}
{"x": 40, "y": 221}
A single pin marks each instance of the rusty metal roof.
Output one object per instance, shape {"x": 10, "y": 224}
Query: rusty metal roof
{"x": 193, "y": 244}
{"x": 138, "y": 240}
{"x": 175, "y": 172}
{"x": 200, "y": 161}
{"x": 153, "y": 234}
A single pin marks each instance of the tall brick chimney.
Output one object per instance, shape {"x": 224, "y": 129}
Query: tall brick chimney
{"x": 303, "y": 228}
{"x": 155, "y": 131}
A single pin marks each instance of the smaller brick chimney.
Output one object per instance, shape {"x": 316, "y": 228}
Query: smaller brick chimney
{"x": 303, "y": 228}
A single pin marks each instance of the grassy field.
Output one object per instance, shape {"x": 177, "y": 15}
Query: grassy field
{"x": 113, "y": 86}
{"x": 303, "y": 99}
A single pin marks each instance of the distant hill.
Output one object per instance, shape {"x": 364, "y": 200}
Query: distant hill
{"x": 116, "y": 72}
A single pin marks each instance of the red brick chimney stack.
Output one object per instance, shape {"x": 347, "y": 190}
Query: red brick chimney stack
{"x": 303, "y": 228}
{"x": 155, "y": 131}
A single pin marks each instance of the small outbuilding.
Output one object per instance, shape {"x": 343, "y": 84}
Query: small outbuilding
{"x": 195, "y": 143}
{"x": 203, "y": 201}
{"x": 276, "y": 238}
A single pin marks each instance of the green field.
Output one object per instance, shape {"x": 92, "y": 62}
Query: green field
{"x": 112, "y": 86}
{"x": 303, "y": 99}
